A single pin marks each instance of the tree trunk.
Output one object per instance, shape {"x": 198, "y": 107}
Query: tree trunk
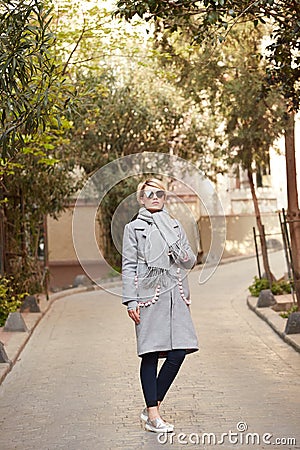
{"x": 293, "y": 213}
{"x": 260, "y": 227}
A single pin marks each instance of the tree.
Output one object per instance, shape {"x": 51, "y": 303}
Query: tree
{"x": 35, "y": 172}
{"x": 125, "y": 118}
{"x": 228, "y": 83}
{"x": 78, "y": 95}
{"x": 212, "y": 21}
{"x": 31, "y": 86}
{"x": 40, "y": 184}
{"x": 253, "y": 121}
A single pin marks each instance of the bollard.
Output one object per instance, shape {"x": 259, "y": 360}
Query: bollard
{"x": 82, "y": 280}
{"x": 266, "y": 298}
{"x": 30, "y": 303}
{"x": 15, "y": 322}
{"x": 3, "y": 356}
{"x": 293, "y": 323}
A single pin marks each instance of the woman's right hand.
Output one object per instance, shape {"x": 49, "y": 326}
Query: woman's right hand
{"x": 134, "y": 314}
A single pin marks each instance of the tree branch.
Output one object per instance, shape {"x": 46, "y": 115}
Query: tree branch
{"x": 74, "y": 49}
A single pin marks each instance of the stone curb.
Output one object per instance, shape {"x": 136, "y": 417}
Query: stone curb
{"x": 20, "y": 339}
{"x": 275, "y": 321}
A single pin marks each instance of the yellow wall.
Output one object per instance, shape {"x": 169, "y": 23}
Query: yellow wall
{"x": 60, "y": 240}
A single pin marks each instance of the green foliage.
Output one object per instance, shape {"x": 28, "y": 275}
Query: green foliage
{"x": 35, "y": 160}
{"x": 31, "y": 84}
{"x": 39, "y": 183}
{"x": 225, "y": 83}
{"x": 213, "y": 20}
{"x": 258, "y": 285}
{"x": 253, "y": 121}
{"x": 278, "y": 287}
{"x": 79, "y": 96}
{"x": 281, "y": 287}
{"x": 123, "y": 119}
{"x": 10, "y": 300}
{"x": 286, "y": 314}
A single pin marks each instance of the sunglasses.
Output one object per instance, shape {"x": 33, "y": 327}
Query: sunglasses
{"x": 150, "y": 194}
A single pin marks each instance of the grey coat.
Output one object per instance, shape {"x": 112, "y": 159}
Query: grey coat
{"x": 165, "y": 319}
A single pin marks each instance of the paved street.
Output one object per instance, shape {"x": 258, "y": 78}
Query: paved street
{"x": 76, "y": 384}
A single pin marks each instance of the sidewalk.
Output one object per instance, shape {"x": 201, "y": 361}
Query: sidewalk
{"x": 76, "y": 385}
{"x": 276, "y": 322}
{"x": 14, "y": 342}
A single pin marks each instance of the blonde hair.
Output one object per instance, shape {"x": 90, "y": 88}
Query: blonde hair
{"x": 152, "y": 182}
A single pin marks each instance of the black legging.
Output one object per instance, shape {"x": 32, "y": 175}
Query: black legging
{"x": 155, "y": 388}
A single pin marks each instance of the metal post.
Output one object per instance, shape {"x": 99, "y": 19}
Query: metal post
{"x": 46, "y": 273}
{"x": 264, "y": 239}
{"x": 287, "y": 238}
{"x": 292, "y": 275}
{"x": 256, "y": 251}
{"x": 285, "y": 246}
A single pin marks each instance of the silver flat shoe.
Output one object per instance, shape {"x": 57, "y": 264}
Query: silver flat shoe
{"x": 144, "y": 418}
{"x": 158, "y": 426}
{"x": 144, "y": 415}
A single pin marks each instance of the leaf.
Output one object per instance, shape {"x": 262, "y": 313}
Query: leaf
{"x": 48, "y": 161}
{"x": 49, "y": 146}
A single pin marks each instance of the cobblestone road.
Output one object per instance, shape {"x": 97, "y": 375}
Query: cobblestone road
{"x": 76, "y": 383}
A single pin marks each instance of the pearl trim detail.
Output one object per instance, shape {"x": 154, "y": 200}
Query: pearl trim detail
{"x": 187, "y": 301}
{"x": 154, "y": 299}
{"x": 157, "y": 292}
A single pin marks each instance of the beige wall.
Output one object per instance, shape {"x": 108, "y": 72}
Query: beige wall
{"x": 239, "y": 233}
{"x": 60, "y": 238}
{"x": 63, "y": 263}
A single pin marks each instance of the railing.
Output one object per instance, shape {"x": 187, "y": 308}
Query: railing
{"x": 286, "y": 246}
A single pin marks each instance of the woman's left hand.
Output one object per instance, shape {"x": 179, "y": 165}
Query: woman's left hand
{"x": 134, "y": 314}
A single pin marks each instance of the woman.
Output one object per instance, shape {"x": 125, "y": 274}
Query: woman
{"x": 156, "y": 254}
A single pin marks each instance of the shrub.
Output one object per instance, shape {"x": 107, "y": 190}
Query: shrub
{"x": 258, "y": 285}
{"x": 287, "y": 313}
{"x": 278, "y": 287}
{"x": 281, "y": 287}
{"x": 10, "y": 301}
